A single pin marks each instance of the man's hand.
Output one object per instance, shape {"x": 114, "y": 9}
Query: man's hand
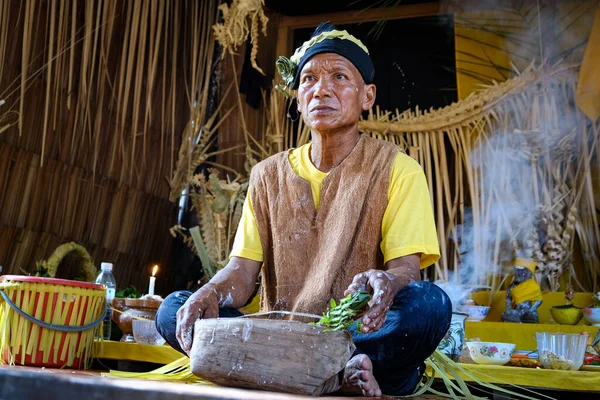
{"x": 204, "y": 303}
{"x": 383, "y": 286}
{"x": 231, "y": 287}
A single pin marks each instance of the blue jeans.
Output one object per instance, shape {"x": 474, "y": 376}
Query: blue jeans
{"x": 415, "y": 324}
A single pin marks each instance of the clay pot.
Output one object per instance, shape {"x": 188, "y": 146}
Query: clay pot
{"x": 128, "y": 309}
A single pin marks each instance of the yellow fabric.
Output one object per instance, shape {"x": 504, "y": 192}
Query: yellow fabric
{"x": 522, "y": 335}
{"x": 533, "y": 378}
{"x": 526, "y": 291}
{"x": 303, "y": 166}
{"x": 588, "y": 87}
{"x": 527, "y": 263}
{"x": 488, "y": 43}
{"x": 253, "y": 307}
{"x": 549, "y": 300}
{"x": 408, "y": 225}
{"x": 480, "y": 54}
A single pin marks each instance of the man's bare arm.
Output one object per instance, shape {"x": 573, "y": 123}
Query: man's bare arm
{"x": 405, "y": 270}
{"x": 235, "y": 283}
{"x": 230, "y": 287}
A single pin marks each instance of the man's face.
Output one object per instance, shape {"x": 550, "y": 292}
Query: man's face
{"x": 332, "y": 93}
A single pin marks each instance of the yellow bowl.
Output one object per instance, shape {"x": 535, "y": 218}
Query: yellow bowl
{"x": 566, "y": 315}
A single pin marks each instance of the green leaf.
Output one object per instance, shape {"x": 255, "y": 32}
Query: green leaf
{"x": 129, "y": 292}
{"x": 341, "y": 316}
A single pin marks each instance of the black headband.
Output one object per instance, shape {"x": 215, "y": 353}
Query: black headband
{"x": 325, "y": 39}
{"x": 344, "y": 48}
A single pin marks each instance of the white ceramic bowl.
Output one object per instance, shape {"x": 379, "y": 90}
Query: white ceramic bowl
{"x": 561, "y": 351}
{"x": 592, "y": 315}
{"x": 476, "y": 313}
{"x": 144, "y": 332}
{"x": 490, "y": 353}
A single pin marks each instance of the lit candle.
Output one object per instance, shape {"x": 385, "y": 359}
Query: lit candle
{"x": 152, "y": 281}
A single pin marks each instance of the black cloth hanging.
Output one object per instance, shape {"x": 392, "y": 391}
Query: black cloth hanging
{"x": 251, "y": 82}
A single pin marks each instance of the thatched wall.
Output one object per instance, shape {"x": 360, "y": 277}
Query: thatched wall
{"x": 101, "y": 119}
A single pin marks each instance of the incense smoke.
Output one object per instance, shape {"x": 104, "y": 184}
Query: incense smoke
{"x": 523, "y": 164}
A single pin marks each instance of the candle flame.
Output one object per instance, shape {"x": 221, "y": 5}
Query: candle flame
{"x": 155, "y": 270}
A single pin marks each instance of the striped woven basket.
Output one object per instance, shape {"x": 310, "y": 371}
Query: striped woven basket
{"x": 49, "y": 322}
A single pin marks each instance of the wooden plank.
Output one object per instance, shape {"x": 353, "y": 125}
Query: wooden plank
{"x": 34, "y": 384}
{"x": 373, "y": 14}
{"x": 284, "y": 42}
{"x": 585, "y": 381}
{"x": 54, "y": 384}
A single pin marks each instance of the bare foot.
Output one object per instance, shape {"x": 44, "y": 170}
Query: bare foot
{"x": 359, "y": 379}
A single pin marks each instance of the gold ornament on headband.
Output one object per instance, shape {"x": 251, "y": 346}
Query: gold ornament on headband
{"x": 335, "y": 34}
{"x": 287, "y": 70}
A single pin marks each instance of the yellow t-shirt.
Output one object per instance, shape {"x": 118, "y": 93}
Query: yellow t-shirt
{"x": 408, "y": 225}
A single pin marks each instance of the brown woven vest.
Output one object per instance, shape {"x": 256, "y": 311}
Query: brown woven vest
{"x": 312, "y": 256}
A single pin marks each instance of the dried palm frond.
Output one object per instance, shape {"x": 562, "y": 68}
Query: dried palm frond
{"x": 49, "y": 267}
{"x": 241, "y": 18}
{"x": 179, "y": 231}
{"x": 218, "y": 205}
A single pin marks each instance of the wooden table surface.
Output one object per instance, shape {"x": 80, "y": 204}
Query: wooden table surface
{"x": 60, "y": 384}
{"x": 528, "y": 377}
{"x": 584, "y": 381}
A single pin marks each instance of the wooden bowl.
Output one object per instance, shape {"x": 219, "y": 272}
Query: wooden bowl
{"x": 128, "y": 309}
{"x": 274, "y": 355}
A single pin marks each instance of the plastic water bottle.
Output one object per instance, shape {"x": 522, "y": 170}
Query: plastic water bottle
{"x": 107, "y": 279}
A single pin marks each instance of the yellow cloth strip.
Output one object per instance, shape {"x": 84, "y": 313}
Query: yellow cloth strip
{"x": 45, "y": 344}
{"x": 178, "y": 371}
{"x": 531, "y": 377}
{"x": 136, "y": 352}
